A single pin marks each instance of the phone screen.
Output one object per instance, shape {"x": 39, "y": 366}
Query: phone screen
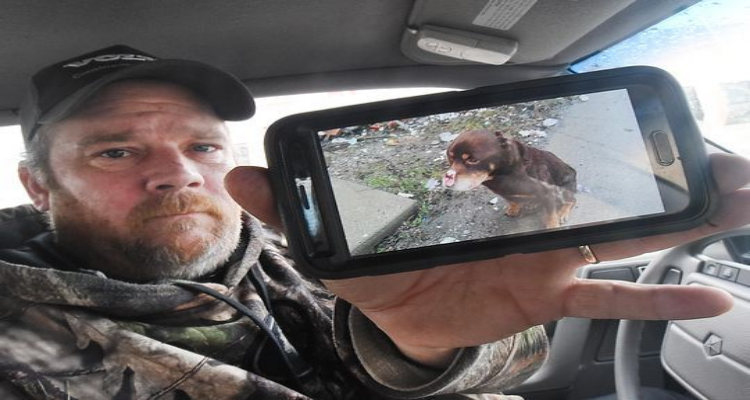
{"x": 514, "y": 169}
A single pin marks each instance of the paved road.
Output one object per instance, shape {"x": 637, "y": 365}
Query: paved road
{"x": 604, "y": 145}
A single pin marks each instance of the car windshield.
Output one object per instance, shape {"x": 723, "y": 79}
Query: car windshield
{"x": 704, "y": 48}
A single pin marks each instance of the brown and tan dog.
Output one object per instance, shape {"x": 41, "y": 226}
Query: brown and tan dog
{"x": 529, "y": 179}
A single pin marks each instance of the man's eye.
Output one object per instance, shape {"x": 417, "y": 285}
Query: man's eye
{"x": 115, "y": 153}
{"x": 204, "y": 148}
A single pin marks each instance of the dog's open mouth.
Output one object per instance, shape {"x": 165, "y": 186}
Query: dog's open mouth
{"x": 449, "y": 178}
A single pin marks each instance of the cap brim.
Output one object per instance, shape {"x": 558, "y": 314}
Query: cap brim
{"x": 230, "y": 98}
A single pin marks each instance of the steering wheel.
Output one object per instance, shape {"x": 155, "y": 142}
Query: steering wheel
{"x": 710, "y": 357}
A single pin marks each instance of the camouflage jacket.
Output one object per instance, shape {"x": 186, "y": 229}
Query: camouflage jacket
{"x": 71, "y": 333}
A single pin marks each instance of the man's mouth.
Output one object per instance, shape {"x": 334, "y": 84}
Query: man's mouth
{"x": 187, "y": 208}
{"x": 183, "y": 214}
{"x": 167, "y": 218}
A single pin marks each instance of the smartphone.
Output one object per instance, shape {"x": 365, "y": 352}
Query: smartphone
{"x": 414, "y": 183}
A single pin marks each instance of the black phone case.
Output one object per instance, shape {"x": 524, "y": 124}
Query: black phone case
{"x": 292, "y": 147}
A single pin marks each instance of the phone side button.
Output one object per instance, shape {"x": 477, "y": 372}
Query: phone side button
{"x": 663, "y": 147}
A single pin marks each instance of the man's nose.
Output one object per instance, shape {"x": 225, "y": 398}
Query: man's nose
{"x": 172, "y": 172}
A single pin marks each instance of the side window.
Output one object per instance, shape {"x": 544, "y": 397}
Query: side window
{"x": 704, "y": 48}
{"x": 247, "y": 136}
{"x": 12, "y": 192}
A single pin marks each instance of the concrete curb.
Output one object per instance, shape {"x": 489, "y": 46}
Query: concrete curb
{"x": 369, "y": 215}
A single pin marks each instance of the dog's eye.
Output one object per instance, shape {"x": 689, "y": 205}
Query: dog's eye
{"x": 472, "y": 160}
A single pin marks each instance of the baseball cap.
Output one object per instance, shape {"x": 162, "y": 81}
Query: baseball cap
{"x": 56, "y": 91}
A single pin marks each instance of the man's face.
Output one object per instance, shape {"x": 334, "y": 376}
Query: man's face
{"x": 137, "y": 188}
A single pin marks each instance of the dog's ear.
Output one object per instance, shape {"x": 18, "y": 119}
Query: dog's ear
{"x": 502, "y": 139}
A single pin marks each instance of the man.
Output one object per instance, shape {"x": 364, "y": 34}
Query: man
{"x": 147, "y": 279}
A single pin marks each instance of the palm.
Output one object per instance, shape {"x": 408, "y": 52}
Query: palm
{"x": 479, "y": 302}
{"x": 458, "y": 306}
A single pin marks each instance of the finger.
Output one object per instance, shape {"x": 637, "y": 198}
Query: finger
{"x": 625, "y": 300}
{"x": 251, "y": 189}
{"x": 730, "y": 172}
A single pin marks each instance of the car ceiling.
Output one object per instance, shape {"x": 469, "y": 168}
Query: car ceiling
{"x": 284, "y": 46}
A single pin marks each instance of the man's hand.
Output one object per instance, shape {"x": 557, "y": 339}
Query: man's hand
{"x": 429, "y": 313}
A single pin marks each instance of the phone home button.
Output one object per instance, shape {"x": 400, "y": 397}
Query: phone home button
{"x": 663, "y": 148}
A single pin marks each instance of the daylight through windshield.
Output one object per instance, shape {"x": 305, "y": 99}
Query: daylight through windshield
{"x": 704, "y": 47}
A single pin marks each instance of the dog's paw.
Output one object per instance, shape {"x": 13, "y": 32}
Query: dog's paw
{"x": 512, "y": 210}
{"x": 564, "y": 218}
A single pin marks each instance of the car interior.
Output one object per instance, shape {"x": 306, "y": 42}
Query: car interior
{"x": 285, "y": 47}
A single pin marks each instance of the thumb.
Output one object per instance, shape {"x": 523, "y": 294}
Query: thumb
{"x": 251, "y": 189}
